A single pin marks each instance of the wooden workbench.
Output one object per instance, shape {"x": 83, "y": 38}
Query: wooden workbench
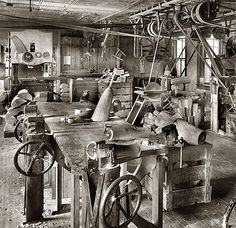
{"x": 71, "y": 139}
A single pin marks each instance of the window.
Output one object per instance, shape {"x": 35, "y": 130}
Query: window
{"x": 215, "y": 45}
{"x": 180, "y": 52}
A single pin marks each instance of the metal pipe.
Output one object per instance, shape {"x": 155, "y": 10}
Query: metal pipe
{"x": 159, "y": 7}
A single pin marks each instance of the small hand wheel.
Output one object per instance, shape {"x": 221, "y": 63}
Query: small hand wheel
{"x": 112, "y": 201}
{"x": 34, "y": 158}
{"x": 18, "y": 131}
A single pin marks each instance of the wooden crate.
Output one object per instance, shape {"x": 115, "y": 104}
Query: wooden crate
{"x": 190, "y": 184}
{"x": 86, "y": 84}
{"x": 122, "y": 91}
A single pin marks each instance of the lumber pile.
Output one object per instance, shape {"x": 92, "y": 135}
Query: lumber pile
{"x": 18, "y": 104}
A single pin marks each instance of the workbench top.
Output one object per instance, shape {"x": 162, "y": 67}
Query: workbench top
{"x": 50, "y": 109}
{"x": 71, "y": 138}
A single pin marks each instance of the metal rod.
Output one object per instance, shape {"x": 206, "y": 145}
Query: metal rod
{"x": 159, "y": 7}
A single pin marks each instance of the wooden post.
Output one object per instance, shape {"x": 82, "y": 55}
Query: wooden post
{"x": 214, "y": 86}
{"x": 58, "y": 60}
{"x": 34, "y": 185}
{"x": 192, "y": 71}
{"x": 75, "y": 200}
{"x": 34, "y": 194}
{"x": 157, "y": 192}
{"x": 59, "y": 187}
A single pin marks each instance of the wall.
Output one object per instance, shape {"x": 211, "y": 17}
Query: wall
{"x": 84, "y": 53}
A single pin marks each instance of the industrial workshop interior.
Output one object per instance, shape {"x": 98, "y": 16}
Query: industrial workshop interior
{"x": 118, "y": 114}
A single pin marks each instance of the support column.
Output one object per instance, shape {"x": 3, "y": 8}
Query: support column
{"x": 193, "y": 70}
{"x": 157, "y": 192}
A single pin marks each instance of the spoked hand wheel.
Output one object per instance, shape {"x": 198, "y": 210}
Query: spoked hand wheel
{"x": 112, "y": 201}
{"x": 34, "y": 158}
{"x": 18, "y": 131}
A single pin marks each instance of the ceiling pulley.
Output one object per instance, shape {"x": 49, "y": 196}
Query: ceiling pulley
{"x": 183, "y": 18}
{"x": 204, "y": 12}
{"x": 231, "y": 46}
{"x": 169, "y": 25}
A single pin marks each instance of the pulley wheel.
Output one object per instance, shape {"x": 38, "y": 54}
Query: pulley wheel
{"x": 27, "y": 57}
{"x": 219, "y": 33}
{"x": 31, "y": 155}
{"x": 231, "y": 46}
{"x": 168, "y": 25}
{"x": 150, "y": 30}
{"x": 112, "y": 201}
{"x": 193, "y": 15}
{"x": 183, "y": 18}
{"x": 154, "y": 28}
{"x": 206, "y": 12}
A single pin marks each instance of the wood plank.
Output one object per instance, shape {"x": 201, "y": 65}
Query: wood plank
{"x": 190, "y": 153}
{"x": 189, "y": 174}
{"x": 190, "y": 196}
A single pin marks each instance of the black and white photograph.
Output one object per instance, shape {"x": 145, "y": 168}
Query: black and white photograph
{"x": 117, "y": 113}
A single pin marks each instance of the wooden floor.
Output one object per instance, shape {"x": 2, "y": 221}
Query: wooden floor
{"x": 197, "y": 216}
